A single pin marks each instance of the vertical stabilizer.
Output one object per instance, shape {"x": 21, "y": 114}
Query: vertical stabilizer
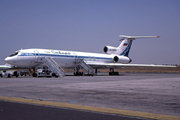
{"x": 125, "y": 47}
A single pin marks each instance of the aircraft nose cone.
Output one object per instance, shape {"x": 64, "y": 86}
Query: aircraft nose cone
{"x": 8, "y": 60}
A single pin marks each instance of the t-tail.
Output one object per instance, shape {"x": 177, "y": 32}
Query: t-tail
{"x": 125, "y": 46}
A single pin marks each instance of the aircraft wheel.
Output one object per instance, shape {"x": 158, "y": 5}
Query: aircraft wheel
{"x": 53, "y": 74}
{"x": 34, "y": 75}
{"x": 9, "y": 75}
{"x": 56, "y": 76}
{"x": 82, "y": 74}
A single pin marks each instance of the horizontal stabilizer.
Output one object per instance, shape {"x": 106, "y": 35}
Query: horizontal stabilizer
{"x": 134, "y": 37}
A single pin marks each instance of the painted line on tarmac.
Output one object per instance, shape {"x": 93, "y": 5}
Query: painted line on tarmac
{"x": 93, "y": 109}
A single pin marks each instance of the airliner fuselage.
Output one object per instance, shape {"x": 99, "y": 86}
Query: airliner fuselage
{"x": 32, "y": 57}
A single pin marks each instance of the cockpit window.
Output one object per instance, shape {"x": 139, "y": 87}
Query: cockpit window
{"x": 14, "y": 54}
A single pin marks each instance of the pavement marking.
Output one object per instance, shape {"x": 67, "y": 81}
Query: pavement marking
{"x": 93, "y": 109}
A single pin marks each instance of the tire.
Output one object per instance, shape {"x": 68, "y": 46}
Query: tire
{"x": 9, "y": 75}
{"x": 34, "y": 75}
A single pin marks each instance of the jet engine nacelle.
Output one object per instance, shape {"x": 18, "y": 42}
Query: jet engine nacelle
{"x": 110, "y": 49}
{"x": 122, "y": 59}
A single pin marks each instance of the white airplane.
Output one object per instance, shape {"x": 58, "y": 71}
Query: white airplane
{"x": 55, "y": 60}
{"x": 7, "y": 71}
{"x": 4, "y": 67}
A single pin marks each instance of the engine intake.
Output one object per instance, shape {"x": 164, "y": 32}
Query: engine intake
{"x": 105, "y": 49}
{"x": 122, "y": 59}
{"x": 116, "y": 58}
{"x": 110, "y": 49}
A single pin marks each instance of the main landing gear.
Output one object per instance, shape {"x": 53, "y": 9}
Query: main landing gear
{"x": 78, "y": 73}
{"x": 112, "y": 72}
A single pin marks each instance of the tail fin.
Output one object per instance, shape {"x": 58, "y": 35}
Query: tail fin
{"x": 124, "y": 47}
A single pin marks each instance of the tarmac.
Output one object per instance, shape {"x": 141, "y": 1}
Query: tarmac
{"x": 21, "y": 111}
{"x": 143, "y": 95}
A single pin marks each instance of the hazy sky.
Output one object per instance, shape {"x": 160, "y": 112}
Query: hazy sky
{"x": 89, "y": 25}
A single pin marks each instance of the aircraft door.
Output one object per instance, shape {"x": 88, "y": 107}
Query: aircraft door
{"x": 75, "y": 56}
{"x": 36, "y": 54}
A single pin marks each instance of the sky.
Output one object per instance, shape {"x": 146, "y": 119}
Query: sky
{"x": 89, "y": 25}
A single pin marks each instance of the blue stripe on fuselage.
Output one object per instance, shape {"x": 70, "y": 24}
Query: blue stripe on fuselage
{"x": 69, "y": 56}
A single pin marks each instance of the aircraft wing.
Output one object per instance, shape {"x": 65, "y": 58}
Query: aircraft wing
{"x": 118, "y": 65}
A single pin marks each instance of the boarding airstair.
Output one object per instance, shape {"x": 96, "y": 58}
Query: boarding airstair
{"x": 54, "y": 67}
{"x": 85, "y": 66}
